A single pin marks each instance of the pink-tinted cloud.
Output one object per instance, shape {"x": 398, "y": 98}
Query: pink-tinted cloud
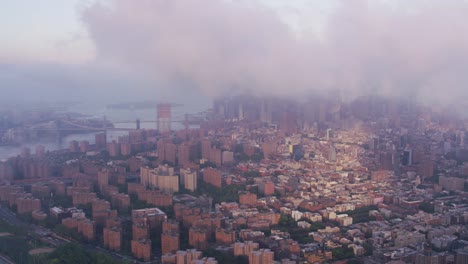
{"x": 218, "y": 47}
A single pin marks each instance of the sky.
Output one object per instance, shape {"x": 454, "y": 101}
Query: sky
{"x": 121, "y": 49}
{"x": 43, "y": 31}
{"x": 48, "y": 31}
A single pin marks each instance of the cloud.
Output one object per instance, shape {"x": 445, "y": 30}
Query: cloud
{"x": 167, "y": 48}
{"x": 221, "y": 47}
{"x": 420, "y": 50}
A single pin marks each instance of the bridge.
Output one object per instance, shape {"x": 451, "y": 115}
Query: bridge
{"x": 64, "y": 125}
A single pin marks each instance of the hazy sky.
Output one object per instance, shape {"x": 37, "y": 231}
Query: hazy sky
{"x": 125, "y": 49}
{"x": 52, "y": 31}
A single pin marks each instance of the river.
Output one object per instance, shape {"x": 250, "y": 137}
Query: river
{"x": 114, "y": 115}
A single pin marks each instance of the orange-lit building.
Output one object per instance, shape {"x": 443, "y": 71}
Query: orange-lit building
{"x": 244, "y": 249}
{"x": 225, "y": 237}
{"x": 248, "y": 198}
{"x": 169, "y": 242}
{"x": 141, "y": 249}
{"x": 112, "y": 238}
{"x": 27, "y": 205}
{"x": 198, "y": 238}
{"x": 139, "y": 231}
{"x": 262, "y": 256}
{"x": 213, "y": 177}
{"x": 164, "y": 117}
{"x": 82, "y": 198}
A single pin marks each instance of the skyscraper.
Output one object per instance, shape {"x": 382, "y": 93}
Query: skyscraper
{"x": 332, "y": 154}
{"x": 164, "y": 117}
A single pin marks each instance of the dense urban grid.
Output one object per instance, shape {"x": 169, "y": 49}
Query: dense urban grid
{"x": 260, "y": 181}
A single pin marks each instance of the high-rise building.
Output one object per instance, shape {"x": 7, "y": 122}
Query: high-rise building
{"x": 329, "y": 134}
{"x": 225, "y": 236}
{"x": 40, "y": 191}
{"x": 215, "y": 156}
{"x": 74, "y": 146}
{"x": 103, "y": 178}
{"x": 407, "y": 159}
{"x": 170, "y": 153}
{"x": 205, "y": 260}
{"x": 244, "y": 249}
{"x": 241, "y": 111}
{"x": 198, "y": 238}
{"x": 125, "y": 149}
{"x": 120, "y": 201}
{"x": 84, "y": 146}
{"x": 161, "y": 149}
{"x": 100, "y": 140}
{"x": 219, "y": 107}
{"x": 205, "y": 148}
{"x": 186, "y": 257}
{"x": 162, "y": 178}
{"x": 141, "y": 249}
{"x": 183, "y": 155}
{"x": 139, "y": 231}
{"x": 228, "y": 158}
{"x": 262, "y": 256}
{"x": 248, "y": 198}
{"x": 151, "y": 217}
{"x": 267, "y": 187}
{"x": 169, "y": 242}
{"x": 461, "y": 256}
{"x": 113, "y": 148}
{"x": 428, "y": 256}
{"x": 288, "y": 122}
{"x": 266, "y": 111}
{"x": 213, "y": 177}
{"x": 269, "y": 148}
{"x": 332, "y": 153}
{"x": 164, "y": 117}
{"x": 112, "y": 238}
{"x": 189, "y": 179}
{"x": 27, "y": 205}
{"x": 87, "y": 228}
{"x": 136, "y": 136}
{"x": 40, "y": 151}
{"x": 171, "y": 225}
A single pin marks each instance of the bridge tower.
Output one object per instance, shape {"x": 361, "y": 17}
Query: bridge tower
{"x": 58, "y": 126}
{"x": 186, "y": 122}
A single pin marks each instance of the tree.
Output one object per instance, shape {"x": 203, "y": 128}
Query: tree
{"x": 342, "y": 253}
{"x": 222, "y": 257}
{"x": 427, "y": 207}
{"x": 286, "y": 221}
{"x": 257, "y": 157}
{"x": 70, "y": 253}
{"x": 368, "y": 248}
{"x": 252, "y": 174}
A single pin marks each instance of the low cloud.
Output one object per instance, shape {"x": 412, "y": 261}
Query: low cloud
{"x": 416, "y": 49}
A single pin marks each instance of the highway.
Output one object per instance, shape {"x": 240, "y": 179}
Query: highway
{"x": 5, "y": 260}
{"x": 45, "y": 235}
{"x": 10, "y": 218}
